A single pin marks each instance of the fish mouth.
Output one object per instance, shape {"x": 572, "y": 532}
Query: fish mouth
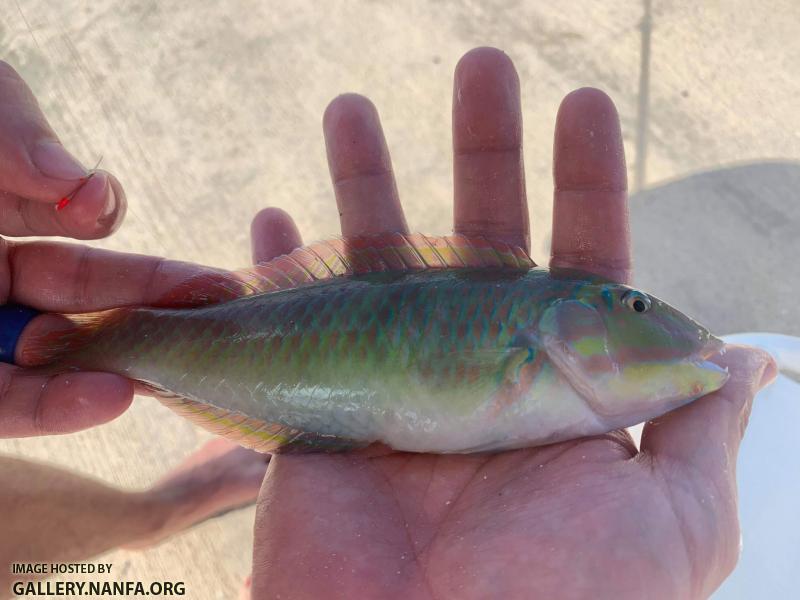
{"x": 712, "y": 376}
{"x": 713, "y": 346}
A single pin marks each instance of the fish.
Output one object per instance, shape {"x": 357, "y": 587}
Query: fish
{"x": 449, "y": 344}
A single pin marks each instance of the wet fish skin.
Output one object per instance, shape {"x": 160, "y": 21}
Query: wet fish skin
{"x": 447, "y": 360}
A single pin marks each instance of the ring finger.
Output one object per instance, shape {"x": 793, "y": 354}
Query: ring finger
{"x": 361, "y": 169}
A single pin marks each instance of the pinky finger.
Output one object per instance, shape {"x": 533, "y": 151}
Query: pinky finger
{"x": 32, "y": 405}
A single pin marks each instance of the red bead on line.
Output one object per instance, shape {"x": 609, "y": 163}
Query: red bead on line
{"x": 68, "y": 198}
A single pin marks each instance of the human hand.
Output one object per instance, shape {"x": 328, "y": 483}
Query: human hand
{"x": 35, "y": 173}
{"x": 592, "y": 517}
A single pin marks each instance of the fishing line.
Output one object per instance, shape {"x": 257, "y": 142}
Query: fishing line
{"x": 83, "y": 181}
{"x": 108, "y": 121}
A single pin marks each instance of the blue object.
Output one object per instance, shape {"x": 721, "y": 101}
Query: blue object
{"x": 13, "y": 319}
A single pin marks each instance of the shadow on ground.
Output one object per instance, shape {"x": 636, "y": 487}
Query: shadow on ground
{"x": 724, "y": 246}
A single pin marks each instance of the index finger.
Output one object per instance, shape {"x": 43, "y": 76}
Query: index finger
{"x": 591, "y": 231}
{"x": 35, "y": 165}
{"x": 62, "y": 277}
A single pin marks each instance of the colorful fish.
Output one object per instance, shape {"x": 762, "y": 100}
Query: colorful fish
{"x": 426, "y": 344}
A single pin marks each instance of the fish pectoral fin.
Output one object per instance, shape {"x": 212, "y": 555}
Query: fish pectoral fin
{"x": 513, "y": 364}
{"x": 473, "y": 366}
{"x": 505, "y": 363}
{"x": 250, "y": 432}
{"x": 515, "y": 377}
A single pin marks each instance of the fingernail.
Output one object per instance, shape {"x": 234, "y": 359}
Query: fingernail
{"x": 109, "y": 208}
{"x": 53, "y": 160}
{"x": 770, "y": 372}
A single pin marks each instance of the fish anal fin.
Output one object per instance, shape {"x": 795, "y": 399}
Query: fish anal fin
{"x": 250, "y": 432}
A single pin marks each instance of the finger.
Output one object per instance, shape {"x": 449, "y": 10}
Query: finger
{"x": 95, "y": 211}
{"x": 693, "y": 451}
{"x": 488, "y": 171}
{"x": 60, "y": 277}
{"x": 35, "y": 165}
{"x": 273, "y": 233}
{"x": 37, "y": 171}
{"x": 590, "y": 211}
{"x": 361, "y": 168}
{"x": 245, "y": 593}
{"x": 34, "y": 405}
{"x": 706, "y": 433}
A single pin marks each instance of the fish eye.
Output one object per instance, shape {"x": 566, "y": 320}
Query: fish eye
{"x": 637, "y": 301}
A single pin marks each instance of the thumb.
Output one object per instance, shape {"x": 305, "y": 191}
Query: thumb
{"x": 34, "y": 164}
{"x": 37, "y": 171}
{"x": 707, "y": 432}
{"x": 694, "y": 449}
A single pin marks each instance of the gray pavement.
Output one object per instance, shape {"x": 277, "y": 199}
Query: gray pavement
{"x": 723, "y": 245}
{"x": 209, "y": 111}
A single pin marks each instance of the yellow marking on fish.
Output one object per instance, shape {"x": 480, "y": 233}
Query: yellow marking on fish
{"x": 590, "y": 346}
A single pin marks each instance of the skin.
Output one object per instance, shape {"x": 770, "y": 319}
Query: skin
{"x": 59, "y": 277}
{"x": 593, "y": 517}
{"x": 587, "y": 517}
{"x": 63, "y": 277}
{"x": 61, "y": 516}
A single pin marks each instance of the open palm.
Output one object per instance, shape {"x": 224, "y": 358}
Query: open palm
{"x": 587, "y": 518}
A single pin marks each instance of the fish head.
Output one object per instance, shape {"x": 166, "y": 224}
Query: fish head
{"x": 630, "y": 355}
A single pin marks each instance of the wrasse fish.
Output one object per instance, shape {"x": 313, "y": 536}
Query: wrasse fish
{"x": 426, "y": 344}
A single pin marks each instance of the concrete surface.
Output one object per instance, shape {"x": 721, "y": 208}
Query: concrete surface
{"x": 723, "y": 245}
{"x": 209, "y": 111}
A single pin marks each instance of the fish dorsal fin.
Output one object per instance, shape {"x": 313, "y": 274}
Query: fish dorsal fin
{"x": 337, "y": 257}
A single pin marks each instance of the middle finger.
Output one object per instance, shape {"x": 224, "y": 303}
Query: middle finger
{"x": 488, "y": 172}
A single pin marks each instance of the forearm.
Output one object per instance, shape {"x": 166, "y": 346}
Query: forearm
{"x": 54, "y": 515}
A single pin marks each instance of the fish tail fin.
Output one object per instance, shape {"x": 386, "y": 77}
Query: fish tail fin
{"x": 62, "y": 341}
